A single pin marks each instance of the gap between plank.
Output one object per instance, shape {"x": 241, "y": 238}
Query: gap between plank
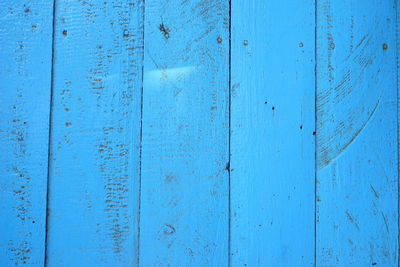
{"x": 140, "y": 136}
{"x": 50, "y": 134}
{"x": 229, "y": 130}
{"x": 315, "y": 126}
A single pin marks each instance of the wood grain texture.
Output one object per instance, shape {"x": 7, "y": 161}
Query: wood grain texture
{"x": 357, "y": 149}
{"x": 94, "y": 175}
{"x": 184, "y": 183}
{"x": 25, "y": 78}
{"x": 272, "y": 141}
{"x": 199, "y": 133}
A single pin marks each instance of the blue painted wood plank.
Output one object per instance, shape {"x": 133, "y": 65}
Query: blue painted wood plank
{"x": 272, "y": 141}
{"x": 357, "y": 149}
{"x": 94, "y": 174}
{"x": 184, "y": 183}
{"x": 25, "y": 78}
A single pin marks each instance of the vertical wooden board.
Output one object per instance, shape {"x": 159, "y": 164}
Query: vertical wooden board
{"x": 397, "y": 3}
{"x": 184, "y": 182}
{"x": 94, "y": 175}
{"x": 272, "y": 141}
{"x": 357, "y": 186}
{"x": 25, "y": 78}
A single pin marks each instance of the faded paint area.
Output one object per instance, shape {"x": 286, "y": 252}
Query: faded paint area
{"x": 25, "y": 75}
{"x": 94, "y": 168}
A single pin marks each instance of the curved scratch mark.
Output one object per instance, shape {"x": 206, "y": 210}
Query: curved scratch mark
{"x": 356, "y": 134}
{"x": 385, "y": 220}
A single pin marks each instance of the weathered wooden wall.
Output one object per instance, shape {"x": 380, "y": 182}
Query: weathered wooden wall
{"x": 199, "y": 133}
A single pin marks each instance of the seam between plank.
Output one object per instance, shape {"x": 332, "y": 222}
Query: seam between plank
{"x": 397, "y": 124}
{"x": 229, "y": 131}
{"x": 141, "y": 134}
{"x": 50, "y": 134}
{"x": 315, "y": 126}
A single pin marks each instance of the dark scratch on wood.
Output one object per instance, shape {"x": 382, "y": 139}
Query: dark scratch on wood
{"x": 352, "y": 219}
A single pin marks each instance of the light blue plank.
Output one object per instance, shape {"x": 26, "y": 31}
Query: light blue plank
{"x": 25, "y": 78}
{"x": 93, "y": 198}
{"x": 272, "y": 141}
{"x": 357, "y": 204}
{"x": 184, "y": 184}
